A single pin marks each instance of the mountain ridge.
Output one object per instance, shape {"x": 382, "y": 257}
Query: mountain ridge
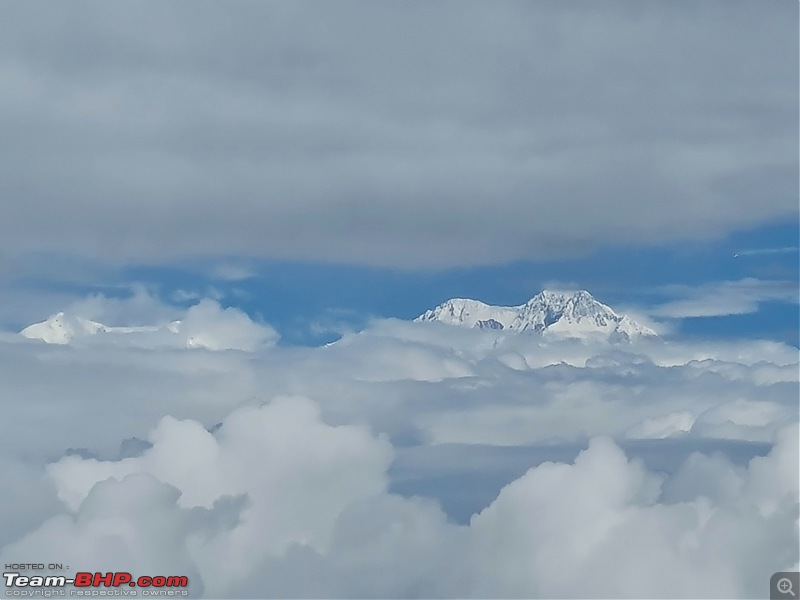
{"x": 61, "y": 328}
{"x": 552, "y": 313}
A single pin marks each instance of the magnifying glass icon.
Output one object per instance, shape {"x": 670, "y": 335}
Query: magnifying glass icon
{"x": 784, "y": 586}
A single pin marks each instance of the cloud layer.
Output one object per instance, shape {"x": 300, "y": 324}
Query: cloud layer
{"x": 436, "y": 135}
{"x": 408, "y": 460}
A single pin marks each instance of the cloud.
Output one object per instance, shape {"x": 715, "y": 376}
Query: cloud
{"x": 317, "y": 519}
{"x": 297, "y": 474}
{"x": 407, "y": 460}
{"x": 138, "y": 307}
{"x": 134, "y": 522}
{"x": 315, "y": 133}
{"x": 207, "y": 325}
{"x": 182, "y": 295}
{"x": 593, "y": 515}
{"x": 232, "y": 272}
{"x": 760, "y": 251}
{"x": 725, "y": 298}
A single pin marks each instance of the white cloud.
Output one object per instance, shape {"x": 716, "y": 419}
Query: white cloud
{"x": 761, "y": 251}
{"x": 297, "y": 474}
{"x": 207, "y": 325}
{"x": 673, "y": 424}
{"x": 601, "y": 516}
{"x": 181, "y": 295}
{"x": 130, "y": 525}
{"x": 232, "y": 272}
{"x": 725, "y": 298}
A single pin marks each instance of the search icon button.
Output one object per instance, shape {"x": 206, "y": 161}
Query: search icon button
{"x": 783, "y": 585}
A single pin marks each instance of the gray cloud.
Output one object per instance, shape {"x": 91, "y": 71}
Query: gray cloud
{"x": 428, "y": 134}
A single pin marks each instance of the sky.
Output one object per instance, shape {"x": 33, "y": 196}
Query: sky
{"x": 295, "y": 182}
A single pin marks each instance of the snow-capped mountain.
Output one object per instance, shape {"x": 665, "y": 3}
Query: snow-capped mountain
{"x": 205, "y": 325}
{"x": 550, "y": 313}
{"x": 63, "y": 329}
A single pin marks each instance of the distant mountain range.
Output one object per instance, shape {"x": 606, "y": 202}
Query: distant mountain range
{"x": 549, "y": 313}
{"x": 64, "y": 329}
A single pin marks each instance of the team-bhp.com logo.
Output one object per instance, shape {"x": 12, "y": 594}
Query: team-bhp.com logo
{"x": 88, "y": 584}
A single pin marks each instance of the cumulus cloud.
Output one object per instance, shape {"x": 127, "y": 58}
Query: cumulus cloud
{"x": 317, "y": 519}
{"x": 207, "y": 325}
{"x": 304, "y": 131}
{"x": 133, "y": 522}
{"x": 296, "y": 473}
{"x": 601, "y": 517}
{"x": 408, "y": 460}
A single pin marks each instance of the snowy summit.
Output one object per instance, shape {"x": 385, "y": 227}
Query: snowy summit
{"x": 61, "y": 328}
{"x": 205, "y": 325}
{"x": 562, "y": 314}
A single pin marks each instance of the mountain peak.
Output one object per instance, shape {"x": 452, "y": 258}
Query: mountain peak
{"x": 62, "y": 329}
{"x": 550, "y": 312}
{"x": 205, "y": 325}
